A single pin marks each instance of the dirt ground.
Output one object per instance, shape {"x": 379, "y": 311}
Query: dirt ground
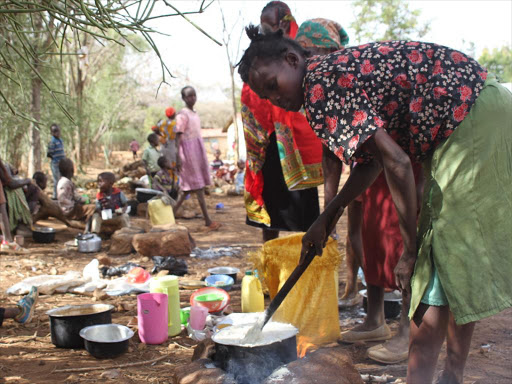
{"x": 28, "y": 356}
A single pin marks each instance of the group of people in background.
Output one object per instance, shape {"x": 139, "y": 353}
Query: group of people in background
{"x": 176, "y": 159}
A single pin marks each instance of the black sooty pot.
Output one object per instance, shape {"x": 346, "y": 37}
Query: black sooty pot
{"x": 67, "y": 322}
{"x": 250, "y": 365}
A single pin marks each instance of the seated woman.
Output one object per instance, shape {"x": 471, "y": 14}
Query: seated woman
{"x": 18, "y": 208}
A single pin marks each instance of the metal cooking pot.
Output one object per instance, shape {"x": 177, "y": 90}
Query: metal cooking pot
{"x": 106, "y": 340}
{"x": 253, "y": 364}
{"x": 67, "y": 322}
{"x": 89, "y": 242}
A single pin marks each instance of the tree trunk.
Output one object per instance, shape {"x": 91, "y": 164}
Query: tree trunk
{"x": 235, "y": 122}
{"x": 35, "y": 135}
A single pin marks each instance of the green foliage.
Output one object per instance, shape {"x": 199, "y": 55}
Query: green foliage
{"x": 499, "y": 62}
{"x": 377, "y": 20}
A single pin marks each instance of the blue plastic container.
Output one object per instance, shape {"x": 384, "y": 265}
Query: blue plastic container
{"x": 224, "y": 282}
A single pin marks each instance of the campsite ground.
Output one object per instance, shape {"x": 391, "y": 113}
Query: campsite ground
{"x": 28, "y": 356}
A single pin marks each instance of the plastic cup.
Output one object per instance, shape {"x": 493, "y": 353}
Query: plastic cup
{"x": 198, "y": 317}
{"x": 184, "y": 316}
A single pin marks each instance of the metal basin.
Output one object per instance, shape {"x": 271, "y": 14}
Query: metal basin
{"x": 106, "y": 340}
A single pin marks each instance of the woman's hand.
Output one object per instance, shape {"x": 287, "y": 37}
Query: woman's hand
{"x": 403, "y": 272}
{"x": 317, "y": 235}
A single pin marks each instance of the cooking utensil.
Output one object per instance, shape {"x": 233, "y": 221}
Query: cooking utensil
{"x": 288, "y": 285}
{"x": 146, "y": 194}
{"x": 220, "y": 281}
{"x": 43, "y": 234}
{"x": 230, "y": 271}
{"x": 252, "y": 364}
{"x": 213, "y": 306}
{"x": 67, "y": 322}
{"x": 89, "y": 242}
{"x": 106, "y": 340}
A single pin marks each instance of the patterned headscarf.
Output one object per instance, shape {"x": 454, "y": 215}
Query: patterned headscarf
{"x": 321, "y": 33}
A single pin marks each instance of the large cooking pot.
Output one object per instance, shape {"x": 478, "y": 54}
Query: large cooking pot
{"x": 43, "y": 234}
{"x": 252, "y": 364}
{"x": 67, "y": 322}
{"x": 89, "y": 242}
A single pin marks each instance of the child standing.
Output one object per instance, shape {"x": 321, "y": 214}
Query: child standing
{"x": 56, "y": 154}
{"x": 134, "y": 147}
{"x": 192, "y": 162}
{"x": 381, "y": 104}
{"x": 151, "y": 155}
{"x": 109, "y": 198}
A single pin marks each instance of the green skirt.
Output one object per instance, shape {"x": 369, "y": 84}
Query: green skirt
{"x": 465, "y": 225}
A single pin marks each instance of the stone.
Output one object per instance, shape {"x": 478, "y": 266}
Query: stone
{"x": 163, "y": 241}
{"x": 100, "y": 295}
{"x": 121, "y": 241}
{"x": 204, "y": 350}
{"x": 105, "y": 260}
{"x": 111, "y": 374}
{"x": 326, "y": 365}
{"x": 201, "y": 371}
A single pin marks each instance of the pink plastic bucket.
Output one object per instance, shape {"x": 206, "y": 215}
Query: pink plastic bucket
{"x": 152, "y": 314}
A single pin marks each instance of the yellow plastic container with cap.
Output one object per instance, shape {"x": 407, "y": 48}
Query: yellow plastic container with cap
{"x": 169, "y": 286}
{"x": 252, "y": 293}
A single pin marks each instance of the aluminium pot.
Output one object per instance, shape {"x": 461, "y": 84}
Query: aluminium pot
{"x": 88, "y": 243}
{"x": 67, "y": 322}
{"x": 43, "y": 234}
{"x": 143, "y": 195}
{"x": 106, "y": 340}
{"x": 253, "y": 364}
{"x": 392, "y": 303}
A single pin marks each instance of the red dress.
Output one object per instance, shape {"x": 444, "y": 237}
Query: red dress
{"x": 382, "y": 241}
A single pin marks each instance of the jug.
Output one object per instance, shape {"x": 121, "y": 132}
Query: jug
{"x": 252, "y": 294}
{"x": 198, "y": 317}
{"x": 152, "y": 317}
{"x": 169, "y": 286}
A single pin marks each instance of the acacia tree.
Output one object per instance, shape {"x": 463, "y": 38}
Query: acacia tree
{"x": 377, "y": 20}
{"x": 499, "y": 62}
{"x": 33, "y": 31}
{"x": 232, "y": 52}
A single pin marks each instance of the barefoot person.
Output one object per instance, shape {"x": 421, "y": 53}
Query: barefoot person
{"x": 192, "y": 163}
{"x": 381, "y": 104}
{"x": 284, "y": 157}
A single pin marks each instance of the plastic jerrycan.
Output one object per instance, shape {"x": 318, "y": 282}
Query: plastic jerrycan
{"x": 169, "y": 286}
{"x": 152, "y": 317}
{"x": 252, "y": 294}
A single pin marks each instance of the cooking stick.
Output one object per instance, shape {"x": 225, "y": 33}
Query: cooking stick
{"x": 288, "y": 285}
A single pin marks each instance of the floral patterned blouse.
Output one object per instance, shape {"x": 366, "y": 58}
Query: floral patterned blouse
{"x": 418, "y": 92}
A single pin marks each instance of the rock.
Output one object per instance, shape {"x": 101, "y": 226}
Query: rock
{"x": 104, "y": 260}
{"x": 100, "y": 294}
{"x": 204, "y": 350}
{"x": 145, "y": 259}
{"x": 54, "y": 271}
{"x": 142, "y": 210}
{"x": 121, "y": 243}
{"x": 163, "y": 272}
{"x": 169, "y": 241}
{"x": 326, "y": 365}
{"x": 111, "y": 374}
{"x": 201, "y": 371}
